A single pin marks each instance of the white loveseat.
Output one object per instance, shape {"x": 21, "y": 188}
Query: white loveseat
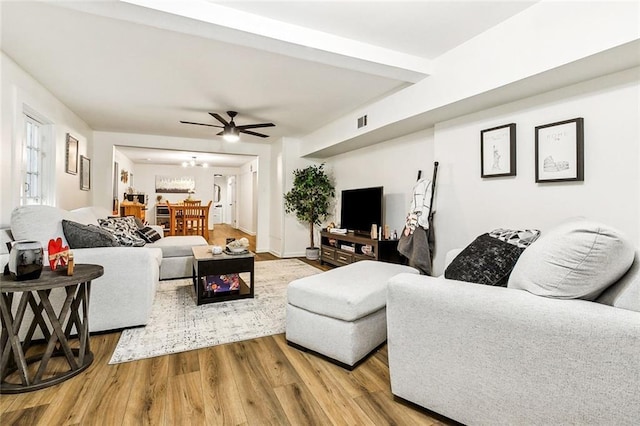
{"x": 123, "y": 296}
{"x": 492, "y": 355}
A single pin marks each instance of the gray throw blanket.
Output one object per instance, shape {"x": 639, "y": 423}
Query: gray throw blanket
{"x": 417, "y": 248}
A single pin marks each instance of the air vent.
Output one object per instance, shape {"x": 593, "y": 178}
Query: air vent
{"x": 362, "y": 121}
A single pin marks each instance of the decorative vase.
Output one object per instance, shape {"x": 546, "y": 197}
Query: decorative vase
{"x": 313, "y": 253}
{"x": 25, "y": 260}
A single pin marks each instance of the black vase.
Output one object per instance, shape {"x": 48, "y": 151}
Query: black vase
{"x": 25, "y": 260}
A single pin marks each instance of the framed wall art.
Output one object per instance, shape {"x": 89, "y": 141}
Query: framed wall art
{"x": 71, "y": 155}
{"x": 498, "y": 151}
{"x": 560, "y": 151}
{"x": 85, "y": 173}
{"x": 175, "y": 184}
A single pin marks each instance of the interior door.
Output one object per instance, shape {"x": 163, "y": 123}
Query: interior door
{"x": 231, "y": 201}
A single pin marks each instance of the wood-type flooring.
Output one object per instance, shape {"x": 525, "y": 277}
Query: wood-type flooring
{"x": 256, "y": 382}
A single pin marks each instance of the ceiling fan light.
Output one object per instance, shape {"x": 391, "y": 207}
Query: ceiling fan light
{"x": 185, "y": 164}
{"x": 231, "y": 135}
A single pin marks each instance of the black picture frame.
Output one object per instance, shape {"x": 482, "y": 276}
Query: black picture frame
{"x": 71, "y": 155}
{"x": 559, "y": 151}
{"x": 498, "y": 151}
{"x": 85, "y": 173}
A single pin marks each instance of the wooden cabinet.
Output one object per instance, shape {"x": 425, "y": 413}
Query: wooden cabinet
{"x": 343, "y": 249}
{"x": 133, "y": 209}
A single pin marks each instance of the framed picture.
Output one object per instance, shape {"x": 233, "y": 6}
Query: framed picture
{"x": 498, "y": 151}
{"x": 71, "y": 155}
{"x": 85, "y": 173}
{"x": 560, "y": 151}
{"x": 175, "y": 185}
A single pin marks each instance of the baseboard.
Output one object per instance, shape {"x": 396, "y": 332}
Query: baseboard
{"x": 294, "y": 254}
{"x": 335, "y": 361}
{"x": 275, "y": 253}
{"x": 246, "y": 231}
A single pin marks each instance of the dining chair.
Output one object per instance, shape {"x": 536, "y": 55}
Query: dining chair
{"x": 194, "y": 220}
{"x": 176, "y": 219}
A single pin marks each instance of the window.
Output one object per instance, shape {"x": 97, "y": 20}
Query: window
{"x": 31, "y": 191}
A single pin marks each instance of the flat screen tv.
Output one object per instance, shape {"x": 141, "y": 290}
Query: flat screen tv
{"x": 360, "y": 208}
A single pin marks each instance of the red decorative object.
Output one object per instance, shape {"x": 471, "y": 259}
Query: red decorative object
{"x": 58, "y": 254}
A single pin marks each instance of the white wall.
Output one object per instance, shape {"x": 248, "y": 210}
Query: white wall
{"x": 246, "y": 190}
{"x": 276, "y": 241}
{"x": 19, "y": 91}
{"x": 124, "y": 163}
{"x": 394, "y": 165}
{"x": 468, "y": 206}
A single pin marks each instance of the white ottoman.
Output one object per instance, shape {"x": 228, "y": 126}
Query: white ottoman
{"x": 341, "y": 313}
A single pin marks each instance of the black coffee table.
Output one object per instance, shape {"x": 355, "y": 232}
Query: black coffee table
{"x": 205, "y": 263}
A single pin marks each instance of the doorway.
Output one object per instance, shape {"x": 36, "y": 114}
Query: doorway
{"x": 230, "y": 216}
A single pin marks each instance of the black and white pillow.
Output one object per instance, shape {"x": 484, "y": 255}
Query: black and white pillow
{"x": 149, "y": 234}
{"x": 519, "y": 238}
{"x": 487, "y": 260}
{"x": 124, "y": 229}
{"x": 79, "y": 235}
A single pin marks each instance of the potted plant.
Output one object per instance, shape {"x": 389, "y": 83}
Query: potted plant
{"x": 309, "y": 200}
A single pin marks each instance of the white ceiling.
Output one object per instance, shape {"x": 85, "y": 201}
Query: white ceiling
{"x": 125, "y": 68}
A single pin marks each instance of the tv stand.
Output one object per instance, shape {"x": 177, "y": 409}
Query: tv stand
{"x": 343, "y": 249}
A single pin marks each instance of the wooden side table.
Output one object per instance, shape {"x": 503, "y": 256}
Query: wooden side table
{"x": 57, "y": 328}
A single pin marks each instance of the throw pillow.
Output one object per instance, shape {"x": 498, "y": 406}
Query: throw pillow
{"x": 149, "y": 234}
{"x": 578, "y": 259}
{"x": 625, "y": 293}
{"x": 486, "y": 260}
{"x": 87, "y": 236}
{"x": 520, "y": 238}
{"x": 124, "y": 229}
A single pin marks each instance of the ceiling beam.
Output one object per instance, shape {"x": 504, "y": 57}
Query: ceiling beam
{"x": 209, "y": 20}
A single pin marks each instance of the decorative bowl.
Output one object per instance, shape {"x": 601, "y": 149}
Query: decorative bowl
{"x": 237, "y": 249}
{"x": 238, "y": 246}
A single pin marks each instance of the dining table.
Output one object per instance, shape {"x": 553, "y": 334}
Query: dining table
{"x": 187, "y": 218}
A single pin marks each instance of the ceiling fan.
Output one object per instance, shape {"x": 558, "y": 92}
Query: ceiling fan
{"x": 230, "y": 132}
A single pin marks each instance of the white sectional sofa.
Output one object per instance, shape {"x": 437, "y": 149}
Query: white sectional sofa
{"x": 484, "y": 355}
{"x": 123, "y": 296}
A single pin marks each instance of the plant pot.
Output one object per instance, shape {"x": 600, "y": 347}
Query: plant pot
{"x": 313, "y": 253}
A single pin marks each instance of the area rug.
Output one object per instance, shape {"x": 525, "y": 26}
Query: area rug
{"x": 177, "y": 324}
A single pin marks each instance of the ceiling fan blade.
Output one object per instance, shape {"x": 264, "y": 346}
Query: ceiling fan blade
{"x": 220, "y": 134}
{"x": 254, "y": 126}
{"x": 201, "y": 124}
{"x": 252, "y": 133}
{"x": 219, "y": 118}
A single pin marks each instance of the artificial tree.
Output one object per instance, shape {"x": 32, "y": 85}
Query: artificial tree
{"x": 310, "y": 199}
